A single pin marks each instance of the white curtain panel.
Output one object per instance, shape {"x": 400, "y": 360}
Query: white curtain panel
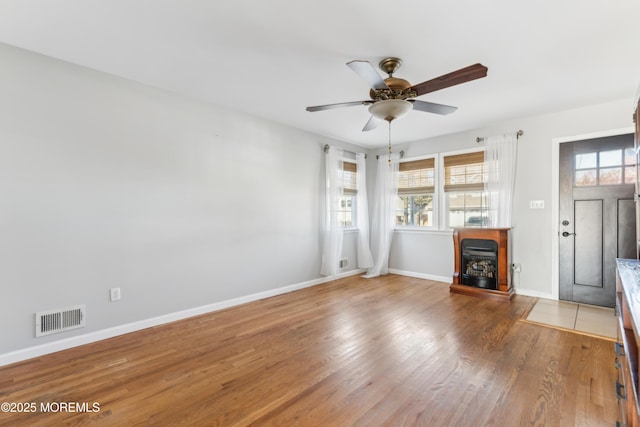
{"x": 383, "y": 218}
{"x": 332, "y": 245}
{"x": 500, "y": 157}
{"x": 365, "y": 259}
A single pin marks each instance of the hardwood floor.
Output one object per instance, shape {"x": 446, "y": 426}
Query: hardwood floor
{"x": 391, "y": 351}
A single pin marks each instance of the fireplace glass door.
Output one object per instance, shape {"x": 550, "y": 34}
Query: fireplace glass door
{"x": 480, "y": 263}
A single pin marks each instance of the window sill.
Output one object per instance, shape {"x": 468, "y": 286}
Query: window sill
{"x": 420, "y": 230}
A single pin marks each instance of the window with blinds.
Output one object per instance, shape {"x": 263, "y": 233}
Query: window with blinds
{"x": 416, "y": 177}
{"x": 349, "y": 178}
{"x": 347, "y": 207}
{"x": 464, "y": 172}
{"x": 416, "y": 186}
{"x": 466, "y": 200}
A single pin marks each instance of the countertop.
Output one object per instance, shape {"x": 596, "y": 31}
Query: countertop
{"x": 629, "y": 272}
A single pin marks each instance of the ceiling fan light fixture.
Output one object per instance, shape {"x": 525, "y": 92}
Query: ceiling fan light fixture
{"x": 390, "y": 109}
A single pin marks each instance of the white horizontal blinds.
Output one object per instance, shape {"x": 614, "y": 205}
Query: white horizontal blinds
{"x": 464, "y": 172}
{"x": 349, "y": 177}
{"x": 416, "y": 177}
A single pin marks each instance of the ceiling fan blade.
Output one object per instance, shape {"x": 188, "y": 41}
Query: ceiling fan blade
{"x": 371, "y": 124}
{"x": 339, "y": 105}
{"x": 463, "y": 75}
{"x": 369, "y": 74}
{"x": 430, "y": 107}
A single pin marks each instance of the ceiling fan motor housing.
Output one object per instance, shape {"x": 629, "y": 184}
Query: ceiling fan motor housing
{"x": 398, "y": 88}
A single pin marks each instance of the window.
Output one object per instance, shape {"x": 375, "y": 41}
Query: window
{"x": 465, "y": 198}
{"x": 612, "y": 167}
{"x": 416, "y": 186}
{"x": 347, "y": 206}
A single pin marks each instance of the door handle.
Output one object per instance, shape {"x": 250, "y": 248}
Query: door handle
{"x": 567, "y": 234}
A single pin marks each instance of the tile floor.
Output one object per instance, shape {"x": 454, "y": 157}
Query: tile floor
{"x": 579, "y": 317}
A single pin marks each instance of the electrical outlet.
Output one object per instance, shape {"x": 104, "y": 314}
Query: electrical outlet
{"x": 115, "y": 294}
{"x": 516, "y": 267}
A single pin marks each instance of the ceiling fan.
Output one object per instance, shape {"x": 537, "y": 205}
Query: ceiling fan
{"x": 392, "y": 98}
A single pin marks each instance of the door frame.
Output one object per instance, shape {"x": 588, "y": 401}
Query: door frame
{"x": 555, "y": 197}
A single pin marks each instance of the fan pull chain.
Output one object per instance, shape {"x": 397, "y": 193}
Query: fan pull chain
{"x": 389, "y": 161}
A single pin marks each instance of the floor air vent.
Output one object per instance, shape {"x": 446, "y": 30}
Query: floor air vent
{"x": 54, "y": 321}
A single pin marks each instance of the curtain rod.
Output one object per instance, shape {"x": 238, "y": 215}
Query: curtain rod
{"x": 326, "y": 150}
{"x": 482, "y": 138}
{"x": 401, "y": 155}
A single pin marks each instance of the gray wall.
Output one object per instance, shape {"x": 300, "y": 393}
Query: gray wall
{"x": 108, "y": 183}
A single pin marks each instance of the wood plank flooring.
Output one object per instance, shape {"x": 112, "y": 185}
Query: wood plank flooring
{"x": 390, "y": 351}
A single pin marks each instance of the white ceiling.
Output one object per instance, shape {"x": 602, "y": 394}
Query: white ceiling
{"x": 273, "y": 58}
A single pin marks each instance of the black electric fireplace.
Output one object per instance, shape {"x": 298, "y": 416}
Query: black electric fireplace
{"x": 480, "y": 263}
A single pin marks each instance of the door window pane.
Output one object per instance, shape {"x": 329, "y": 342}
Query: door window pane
{"x": 611, "y": 167}
{"x": 586, "y": 177}
{"x": 610, "y": 176}
{"x": 629, "y": 156}
{"x": 610, "y": 158}
{"x": 630, "y": 175}
{"x": 586, "y": 161}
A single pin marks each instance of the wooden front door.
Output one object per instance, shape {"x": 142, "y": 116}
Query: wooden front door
{"x": 597, "y": 216}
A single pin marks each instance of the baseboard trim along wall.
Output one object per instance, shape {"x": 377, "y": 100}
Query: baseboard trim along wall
{"x": 446, "y": 279}
{"x": 536, "y": 294}
{"x": 449, "y": 280}
{"x": 67, "y": 343}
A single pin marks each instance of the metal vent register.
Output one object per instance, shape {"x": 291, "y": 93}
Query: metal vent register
{"x": 54, "y": 321}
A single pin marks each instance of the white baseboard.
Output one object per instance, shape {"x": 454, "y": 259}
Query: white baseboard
{"x": 530, "y": 293}
{"x": 66, "y": 343}
{"x": 422, "y": 275}
{"x": 449, "y": 280}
